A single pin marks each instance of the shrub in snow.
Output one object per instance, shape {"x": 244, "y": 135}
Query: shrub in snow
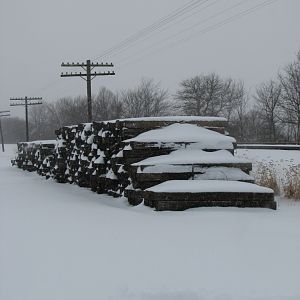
{"x": 291, "y": 186}
{"x": 265, "y": 175}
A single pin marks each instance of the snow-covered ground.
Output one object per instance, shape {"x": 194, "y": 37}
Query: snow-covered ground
{"x": 59, "y": 241}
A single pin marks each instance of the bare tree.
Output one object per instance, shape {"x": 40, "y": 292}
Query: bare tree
{"x": 290, "y": 82}
{"x": 267, "y": 98}
{"x": 209, "y": 95}
{"x": 54, "y": 115}
{"x": 13, "y": 130}
{"x": 148, "y": 99}
{"x": 46, "y": 118}
{"x": 41, "y": 124}
{"x": 238, "y": 122}
{"x": 70, "y": 111}
{"x": 246, "y": 124}
{"x": 232, "y": 97}
{"x": 106, "y": 105}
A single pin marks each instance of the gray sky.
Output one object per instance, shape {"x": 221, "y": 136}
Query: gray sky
{"x": 37, "y": 35}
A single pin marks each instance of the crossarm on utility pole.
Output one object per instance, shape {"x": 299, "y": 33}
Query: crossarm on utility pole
{"x": 29, "y": 104}
{"x": 85, "y": 65}
{"x": 88, "y": 66}
{"x": 87, "y": 75}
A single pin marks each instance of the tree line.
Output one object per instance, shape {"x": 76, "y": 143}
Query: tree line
{"x": 270, "y": 114}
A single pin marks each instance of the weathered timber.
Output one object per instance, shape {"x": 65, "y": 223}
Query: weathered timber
{"x": 94, "y": 155}
{"x": 170, "y": 146}
{"x": 269, "y": 146}
{"x": 135, "y": 197}
{"x": 182, "y": 201}
{"x": 245, "y": 166}
{"x": 153, "y": 124}
{"x": 34, "y": 156}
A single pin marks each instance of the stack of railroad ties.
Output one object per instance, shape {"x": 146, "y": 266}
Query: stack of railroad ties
{"x": 36, "y": 156}
{"x": 169, "y": 163}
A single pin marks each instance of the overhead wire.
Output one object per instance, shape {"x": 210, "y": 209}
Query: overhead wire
{"x": 173, "y": 15}
{"x": 191, "y": 27}
{"x": 45, "y": 87}
{"x": 153, "y": 27}
{"x": 160, "y": 30}
{"x": 179, "y": 12}
{"x": 203, "y": 31}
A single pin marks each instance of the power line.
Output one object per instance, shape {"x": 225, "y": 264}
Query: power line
{"x": 205, "y": 30}
{"x": 189, "y": 28}
{"x": 45, "y": 87}
{"x": 142, "y": 39}
{"x": 147, "y": 30}
{"x": 153, "y": 27}
{"x": 159, "y": 26}
{"x": 135, "y": 38}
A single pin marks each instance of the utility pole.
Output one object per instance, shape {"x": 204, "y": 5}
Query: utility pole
{"x": 26, "y": 101}
{"x": 88, "y": 76}
{"x": 3, "y": 113}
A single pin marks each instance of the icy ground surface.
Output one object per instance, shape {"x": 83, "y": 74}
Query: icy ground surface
{"x": 61, "y": 242}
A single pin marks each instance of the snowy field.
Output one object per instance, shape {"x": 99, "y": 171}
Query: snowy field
{"x": 279, "y": 160}
{"x": 61, "y": 242}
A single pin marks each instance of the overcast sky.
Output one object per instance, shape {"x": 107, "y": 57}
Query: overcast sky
{"x": 37, "y": 35}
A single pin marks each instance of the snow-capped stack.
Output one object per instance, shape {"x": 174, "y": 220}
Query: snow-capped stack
{"x": 142, "y": 158}
{"x": 120, "y": 155}
{"x": 36, "y": 156}
{"x": 74, "y": 154}
{"x": 65, "y": 138}
{"x": 193, "y": 153}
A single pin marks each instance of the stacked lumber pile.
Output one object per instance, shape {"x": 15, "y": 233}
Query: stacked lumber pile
{"x": 36, "y": 156}
{"x": 183, "y": 152}
{"x": 95, "y": 155}
{"x": 134, "y": 157}
{"x": 199, "y": 170}
{"x": 184, "y": 194}
{"x": 123, "y": 152}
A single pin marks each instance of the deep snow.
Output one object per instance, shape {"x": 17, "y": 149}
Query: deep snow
{"x": 208, "y": 186}
{"x": 192, "y": 156}
{"x": 59, "y": 241}
{"x": 178, "y": 133}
